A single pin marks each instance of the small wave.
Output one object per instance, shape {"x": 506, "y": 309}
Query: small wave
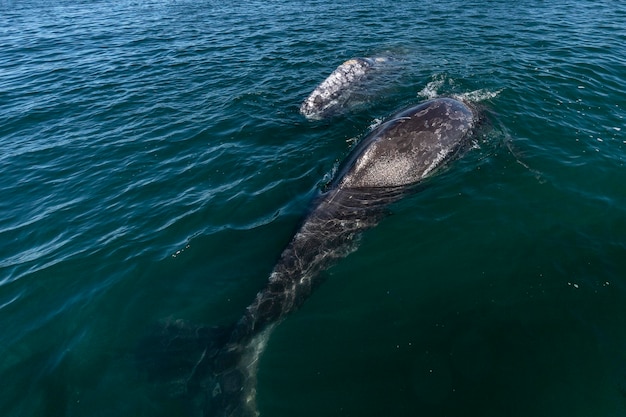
{"x": 11, "y": 301}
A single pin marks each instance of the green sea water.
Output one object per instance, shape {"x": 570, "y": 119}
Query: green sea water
{"x": 153, "y": 165}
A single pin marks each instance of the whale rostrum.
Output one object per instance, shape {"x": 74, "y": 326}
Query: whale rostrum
{"x": 331, "y": 96}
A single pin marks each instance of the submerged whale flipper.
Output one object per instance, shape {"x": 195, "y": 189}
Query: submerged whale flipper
{"x": 215, "y": 368}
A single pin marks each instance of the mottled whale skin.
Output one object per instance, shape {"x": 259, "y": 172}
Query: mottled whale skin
{"x": 328, "y": 98}
{"x": 382, "y": 168}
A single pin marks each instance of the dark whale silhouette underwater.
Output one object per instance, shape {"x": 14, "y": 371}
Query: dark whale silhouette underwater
{"x": 216, "y": 367}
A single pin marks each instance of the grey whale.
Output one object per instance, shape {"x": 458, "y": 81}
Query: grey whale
{"x": 331, "y": 95}
{"x": 219, "y": 364}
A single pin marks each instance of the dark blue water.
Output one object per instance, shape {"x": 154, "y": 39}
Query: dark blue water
{"x": 154, "y": 165}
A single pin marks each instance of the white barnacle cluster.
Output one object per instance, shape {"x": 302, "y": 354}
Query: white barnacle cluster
{"x": 390, "y": 171}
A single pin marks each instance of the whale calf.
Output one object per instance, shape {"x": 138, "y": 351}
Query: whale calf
{"x": 331, "y": 95}
{"x": 221, "y": 363}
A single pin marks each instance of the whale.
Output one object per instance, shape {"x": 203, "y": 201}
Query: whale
{"x": 219, "y": 364}
{"x": 329, "y": 98}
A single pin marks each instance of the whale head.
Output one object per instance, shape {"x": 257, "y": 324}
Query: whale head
{"x": 410, "y": 146}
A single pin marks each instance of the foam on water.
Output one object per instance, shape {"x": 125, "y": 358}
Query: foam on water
{"x": 431, "y": 89}
{"x": 441, "y": 81}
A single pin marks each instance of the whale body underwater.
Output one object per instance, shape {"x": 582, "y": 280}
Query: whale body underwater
{"x": 217, "y": 365}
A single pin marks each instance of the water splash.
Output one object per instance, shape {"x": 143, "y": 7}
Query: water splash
{"x": 439, "y": 81}
{"x": 431, "y": 90}
{"x": 477, "y": 96}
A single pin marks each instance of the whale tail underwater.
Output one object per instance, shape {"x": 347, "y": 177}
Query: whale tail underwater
{"x": 214, "y": 369}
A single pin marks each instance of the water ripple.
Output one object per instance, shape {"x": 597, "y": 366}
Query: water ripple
{"x": 132, "y": 131}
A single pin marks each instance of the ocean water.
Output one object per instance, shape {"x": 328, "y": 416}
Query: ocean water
{"x": 153, "y": 165}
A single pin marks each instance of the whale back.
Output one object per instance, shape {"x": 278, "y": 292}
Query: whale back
{"x": 409, "y": 147}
